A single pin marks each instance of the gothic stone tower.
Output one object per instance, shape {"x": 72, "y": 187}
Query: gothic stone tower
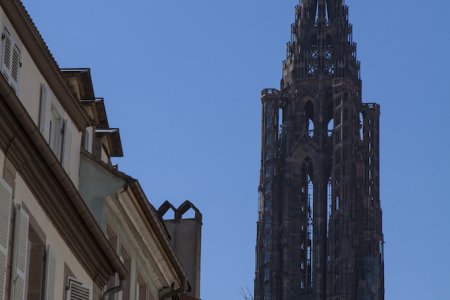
{"x": 319, "y": 227}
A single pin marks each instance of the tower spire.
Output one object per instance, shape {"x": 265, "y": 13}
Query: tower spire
{"x": 319, "y": 229}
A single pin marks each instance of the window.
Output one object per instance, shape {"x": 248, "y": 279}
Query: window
{"x": 5, "y": 220}
{"x": 56, "y": 130}
{"x": 43, "y": 110}
{"x": 33, "y": 264}
{"x": 280, "y": 121}
{"x": 10, "y": 60}
{"x": 330, "y": 128}
{"x": 20, "y": 255}
{"x": 36, "y": 265}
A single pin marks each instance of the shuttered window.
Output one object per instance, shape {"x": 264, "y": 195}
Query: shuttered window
{"x": 20, "y": 261}
{"x": 10, "y": 60}
{"x": 56, "y": 132}
{"x": 66, "y": 146}
{"x": 5, "y": 219}
{"x": 7, "y": 49}
{"x": 43, "y": 115}
{"x": 36, "y": 262}
{"x": 15, "y": 64}
{"x": 78, "y": 291}
{"x": 50, "y": 275}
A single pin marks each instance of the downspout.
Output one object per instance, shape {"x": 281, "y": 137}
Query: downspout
{"x": 164, "y": 293}
{"x": 114, "y": 290}
{"x": 169, "y": 292}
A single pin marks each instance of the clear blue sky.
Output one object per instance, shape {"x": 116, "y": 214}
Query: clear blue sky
{"x": 182, "y": 80}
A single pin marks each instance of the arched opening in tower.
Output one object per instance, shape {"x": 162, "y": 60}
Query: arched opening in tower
{"x": 307, "y": 241}
{"x": 361, "y": 126}
{"x": 280, "y": 121}
{"x": 330, "y": 118}
{"x": 330, "y": 128}
{"x": 329, "y": 203}
{"x": 309, "y": 118}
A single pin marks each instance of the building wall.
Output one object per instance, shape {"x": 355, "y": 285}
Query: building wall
{"x": 119, "y": 214}
{"x": 186, "y": 241}
{"x": 64, "y": 257}
{"x": 147, "y": 257}
{"x": 30, "y": 83}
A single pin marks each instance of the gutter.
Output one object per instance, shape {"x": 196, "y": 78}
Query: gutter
{"x": 38, "y": 140}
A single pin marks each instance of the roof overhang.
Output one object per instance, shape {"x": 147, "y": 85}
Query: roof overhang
{"x": 114, "y": 141}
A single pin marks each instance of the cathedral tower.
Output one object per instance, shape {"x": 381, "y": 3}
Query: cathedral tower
{"x": 320, "y": 221}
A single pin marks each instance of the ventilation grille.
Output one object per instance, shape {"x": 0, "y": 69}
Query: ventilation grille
{"x": 78, "y": 291}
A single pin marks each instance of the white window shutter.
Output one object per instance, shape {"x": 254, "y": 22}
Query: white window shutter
{"x": 20, "y": 262}
{"x": 50, "y": 275}
{"x": 78, "y": 291}
{"x": 7, "y": 54}
{"x": 67, "y": 146}
{"x": 15, "y": 66}
{"x": 5, "y": 220}
{"x": 43, "y": 110}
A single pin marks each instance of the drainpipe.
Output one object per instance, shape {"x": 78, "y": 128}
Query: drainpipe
{"x": 114, "y": 290}
{"x": 169, "y": 292}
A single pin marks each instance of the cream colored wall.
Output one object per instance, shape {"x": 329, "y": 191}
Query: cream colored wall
{"x": 148, "y": 257}
{"x": 30, "y": 82}
{"x": 63, "y": 254}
